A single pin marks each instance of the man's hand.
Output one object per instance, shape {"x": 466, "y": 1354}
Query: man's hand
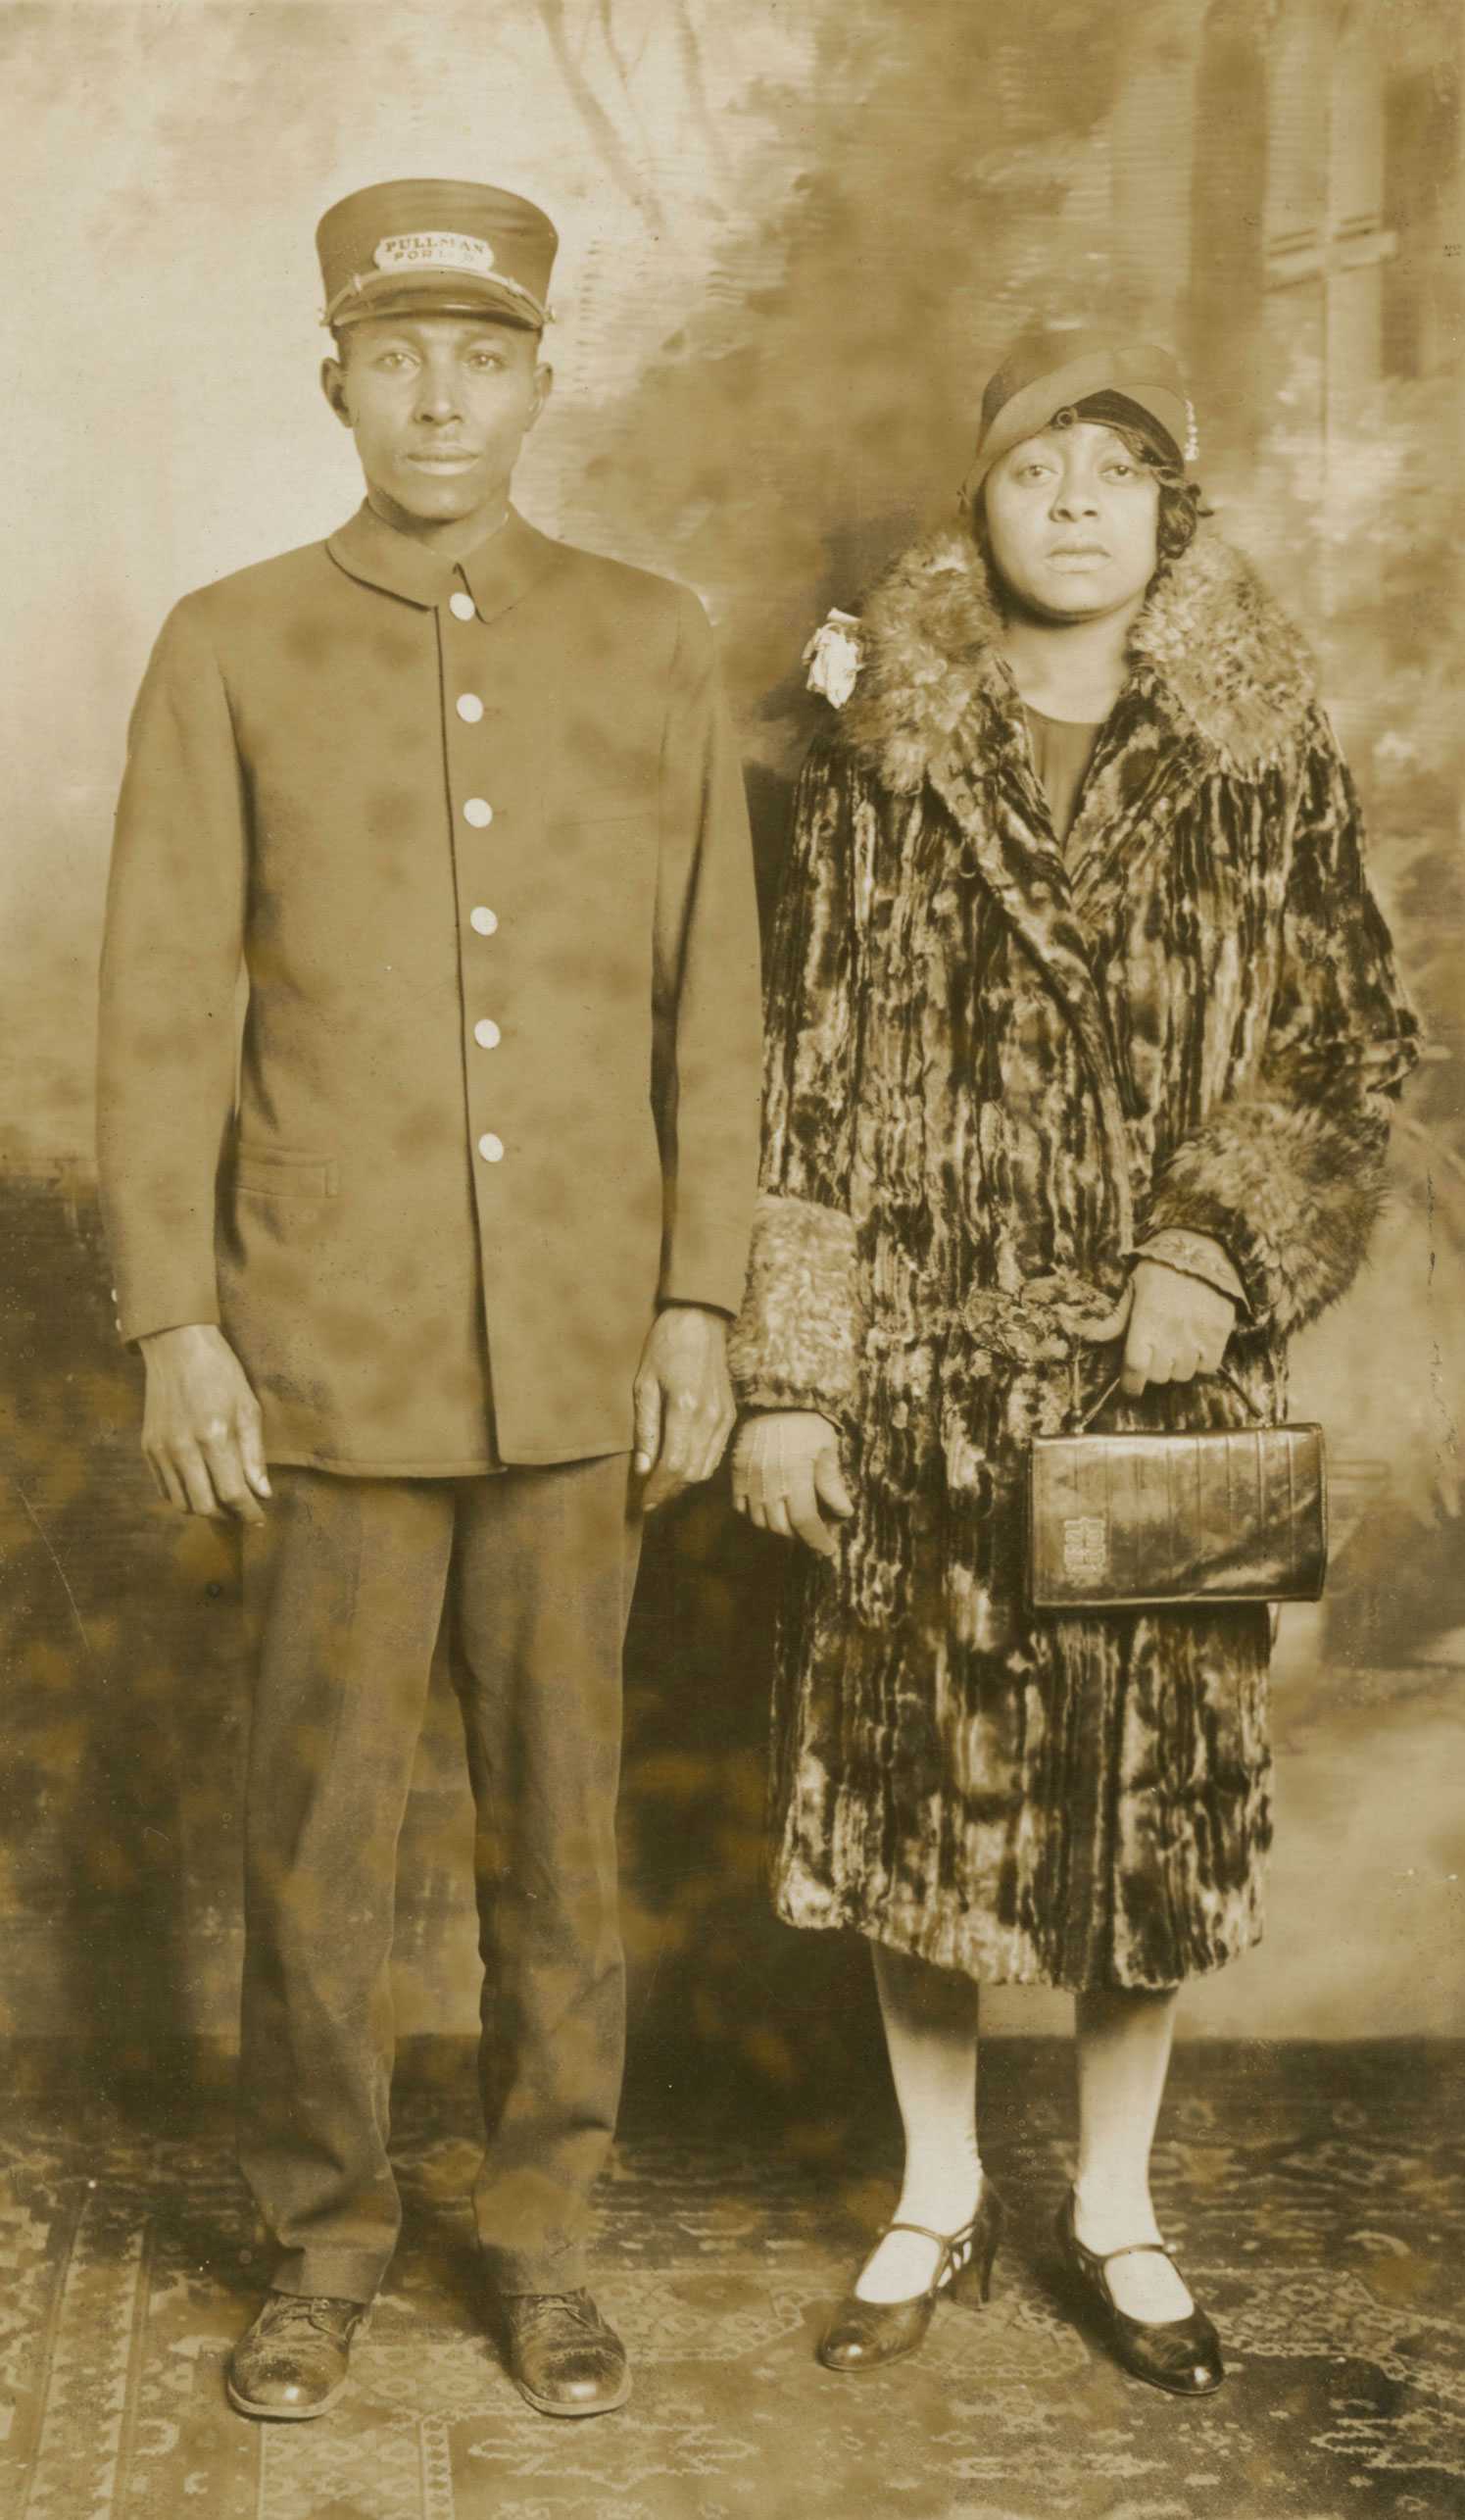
{"x": 201, "y": 1432}
{"x": 786, "y": 1467}
{"x": 1175, "y": 1326}
{"x": 684, "y": 1403}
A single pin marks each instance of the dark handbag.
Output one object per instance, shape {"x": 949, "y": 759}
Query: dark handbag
{"x": 1221, "y": 1515}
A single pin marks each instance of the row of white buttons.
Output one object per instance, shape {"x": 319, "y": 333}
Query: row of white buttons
{"x": 479, "y": 813}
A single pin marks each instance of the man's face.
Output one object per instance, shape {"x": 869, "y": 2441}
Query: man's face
{"x": 1073, "y": 521}
{"x": 439, "y": 406}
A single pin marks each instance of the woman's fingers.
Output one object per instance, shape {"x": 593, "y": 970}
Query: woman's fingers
{"x": 1178, "y": 1327}
{"x": 786, "y": 1476}
{"x": 830, "y": 1486}
{"x": 797, "y": 1505}
{"x": 1150, "y": 1360}
{"x": 1140, "y": 1367}
{"x": 804, "y": 1517}
{"x": 1096, "y": 1333}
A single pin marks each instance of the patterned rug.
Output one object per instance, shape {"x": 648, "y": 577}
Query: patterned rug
{"x": 1314, "y": 2194}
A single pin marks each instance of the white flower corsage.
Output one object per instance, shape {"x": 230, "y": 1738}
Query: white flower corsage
{"x": 834, "y": 656}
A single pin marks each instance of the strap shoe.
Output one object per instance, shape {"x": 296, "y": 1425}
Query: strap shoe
{"x": 863, "y": 2335}
{"x": 1183, "y": 2355}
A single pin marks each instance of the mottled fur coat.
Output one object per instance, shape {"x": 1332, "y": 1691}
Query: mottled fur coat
{"x": 993, "y": 1067}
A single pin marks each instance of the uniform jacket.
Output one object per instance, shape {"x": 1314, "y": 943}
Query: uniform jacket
{"x": 476, "y": 840}
{"x": 993, "y": 1066}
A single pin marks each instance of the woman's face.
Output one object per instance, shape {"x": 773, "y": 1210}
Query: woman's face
{"x": 1073, "y": 521}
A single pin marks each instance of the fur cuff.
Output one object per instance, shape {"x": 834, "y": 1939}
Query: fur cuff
{"x": 1293, "y": 1190}
{"x": 796, "y": 1342}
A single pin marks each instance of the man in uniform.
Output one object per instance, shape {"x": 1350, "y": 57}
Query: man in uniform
{"x": 460, "y": 1226}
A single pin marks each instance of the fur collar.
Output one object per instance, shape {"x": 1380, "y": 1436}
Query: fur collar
{"x": 1212, "y": 650}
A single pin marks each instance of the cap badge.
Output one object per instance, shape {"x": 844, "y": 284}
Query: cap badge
{"x": 434, "y": 250}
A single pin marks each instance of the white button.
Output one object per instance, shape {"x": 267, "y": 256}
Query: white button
{"x": 485, "y": 920}
{"x": 469, "y": 708}
{"x": 486, "y": 1033}
{"x": 478, "y": 812}
{"x": 461, "y": 606}
{"x": 491, "y": 1147}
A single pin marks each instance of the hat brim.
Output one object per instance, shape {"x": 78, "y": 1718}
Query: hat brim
{"x": 1029, "y": 411}
{"x": 390, "y": 293}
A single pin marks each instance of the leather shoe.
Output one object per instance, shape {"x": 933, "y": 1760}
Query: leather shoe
{"x": 292, "y": 2363}
{"x": 863, "y": 2335}
{"x": 1181, "y": 2355}
{"x": 562, "y": 2355}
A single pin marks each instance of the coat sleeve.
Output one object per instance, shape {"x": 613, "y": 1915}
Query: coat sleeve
{"x": 706, "y": 986}
{"x": 1288, "y": 1175}
{"x": 171, "y": 959}
{"x": 798, "y": 1340}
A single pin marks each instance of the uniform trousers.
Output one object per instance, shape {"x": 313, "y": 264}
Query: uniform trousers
{"x": 528, "y": 1573}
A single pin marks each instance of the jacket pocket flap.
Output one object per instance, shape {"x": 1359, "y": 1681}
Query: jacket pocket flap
{"x": 286, "y": 1175}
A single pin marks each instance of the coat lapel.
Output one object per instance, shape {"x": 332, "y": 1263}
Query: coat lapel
{"x": 1019, "y": 863}
{"x": 1219, "y": 684}
{"x": 1145, "y": 771}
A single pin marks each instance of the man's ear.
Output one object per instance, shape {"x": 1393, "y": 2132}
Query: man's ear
{"x": 544, "y": 386}
{"x": 333, "y": 387}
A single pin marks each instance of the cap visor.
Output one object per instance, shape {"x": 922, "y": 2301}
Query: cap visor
{"x": 436, "y": 293}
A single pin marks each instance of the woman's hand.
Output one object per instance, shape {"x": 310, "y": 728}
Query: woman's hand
{"x": 1174, "y": 1326}
{"x": 786, "y": 1468}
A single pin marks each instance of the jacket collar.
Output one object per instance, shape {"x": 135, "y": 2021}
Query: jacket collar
{"x": 1211, "y": 650}
{"x": 500, "y": 569}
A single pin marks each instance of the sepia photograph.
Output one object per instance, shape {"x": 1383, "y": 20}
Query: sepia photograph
{"x": 732, "y": 1261}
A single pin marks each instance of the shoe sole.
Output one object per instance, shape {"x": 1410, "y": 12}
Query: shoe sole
{"x": 1171, "y": 2388}
{"x": 578, "y": 2414}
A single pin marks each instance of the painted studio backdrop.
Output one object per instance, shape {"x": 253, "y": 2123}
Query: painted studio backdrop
{"x": 793, "y": 239}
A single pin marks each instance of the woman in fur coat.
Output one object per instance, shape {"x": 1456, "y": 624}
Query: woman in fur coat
{"x": 1083, "y": 1034}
